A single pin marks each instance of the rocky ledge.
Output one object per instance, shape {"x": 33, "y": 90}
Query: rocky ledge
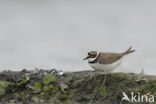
{"x": 83, "y": 87}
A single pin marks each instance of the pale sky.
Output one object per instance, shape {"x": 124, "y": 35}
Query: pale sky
{"x": 59, "y": 33}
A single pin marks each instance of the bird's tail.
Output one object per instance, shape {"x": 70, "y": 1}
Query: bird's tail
{"x": 128, "y": 51}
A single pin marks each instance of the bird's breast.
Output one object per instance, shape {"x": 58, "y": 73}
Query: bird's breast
{"x": 105, "y": 67}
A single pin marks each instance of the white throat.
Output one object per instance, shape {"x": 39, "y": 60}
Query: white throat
{"x": 93, "y": 59}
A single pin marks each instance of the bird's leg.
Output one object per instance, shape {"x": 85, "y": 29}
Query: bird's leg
{"x": 104, "y": 80}
{"x": 93, "y": 72}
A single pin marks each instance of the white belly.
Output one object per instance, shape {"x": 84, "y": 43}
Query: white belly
{"x": 107, "y": 68}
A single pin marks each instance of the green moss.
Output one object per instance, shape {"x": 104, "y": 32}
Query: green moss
{"x": 3, "y": 86}
{"x": 47, "y": 87}
{"x": 63, "y": 95}
{"x": 54, "y": 100}
{"x": 2, "y": 90}
{"x": 35, "y": 99}
{"x": 63, "y": 87}
{"x": 36, "y": 88}
{"x": 49, "y": 79}
{"x": 76, "y": 88}
{"x": 54, "y": 89}
{"x": 24, "y": 81}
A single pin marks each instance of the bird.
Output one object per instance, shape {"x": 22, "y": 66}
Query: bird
{"x": 106, "y": 61}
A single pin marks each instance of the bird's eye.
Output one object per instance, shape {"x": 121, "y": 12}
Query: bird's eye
{"x": 89, "y": 53}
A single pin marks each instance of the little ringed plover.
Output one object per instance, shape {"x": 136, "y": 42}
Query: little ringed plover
{"x": 106, "y": 61}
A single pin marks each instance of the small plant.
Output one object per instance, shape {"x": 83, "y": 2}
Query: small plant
{"x": 64, "y": 95}
{"x": 104, "y": 92}
{"x": 36, "y": 88}
{"x": 49, "y": 79}
{"x": 24, "y": 81}
{"x": 54, "y": 89}
{"x": 47, "y": 87}
{"x": 4, "y": 85}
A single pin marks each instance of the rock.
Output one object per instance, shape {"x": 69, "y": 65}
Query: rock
{"x": 83, "y": 87}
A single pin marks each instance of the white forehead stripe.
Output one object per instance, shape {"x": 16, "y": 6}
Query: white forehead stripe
{"x": 93, "y": 59}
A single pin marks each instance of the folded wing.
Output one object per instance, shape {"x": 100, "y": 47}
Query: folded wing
{"x": 108, "y": 58}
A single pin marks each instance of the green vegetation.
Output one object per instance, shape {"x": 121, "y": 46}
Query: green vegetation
{"x": 36, "y": 88}
{"x": 104, "y": 92}
{"x": 49, "y": 79}
{"x": 3, "y": 85}
{"x": 86, "y": 86}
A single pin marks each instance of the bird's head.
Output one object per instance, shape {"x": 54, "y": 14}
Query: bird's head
{"x": 92, "y": 55}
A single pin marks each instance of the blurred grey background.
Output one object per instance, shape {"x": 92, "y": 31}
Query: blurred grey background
{"x": 59, "y": 33}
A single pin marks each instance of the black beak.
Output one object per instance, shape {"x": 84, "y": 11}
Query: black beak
{"x": 86, "y": 58}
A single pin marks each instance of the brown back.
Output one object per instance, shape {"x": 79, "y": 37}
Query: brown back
{"x": 108, "y": 57}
